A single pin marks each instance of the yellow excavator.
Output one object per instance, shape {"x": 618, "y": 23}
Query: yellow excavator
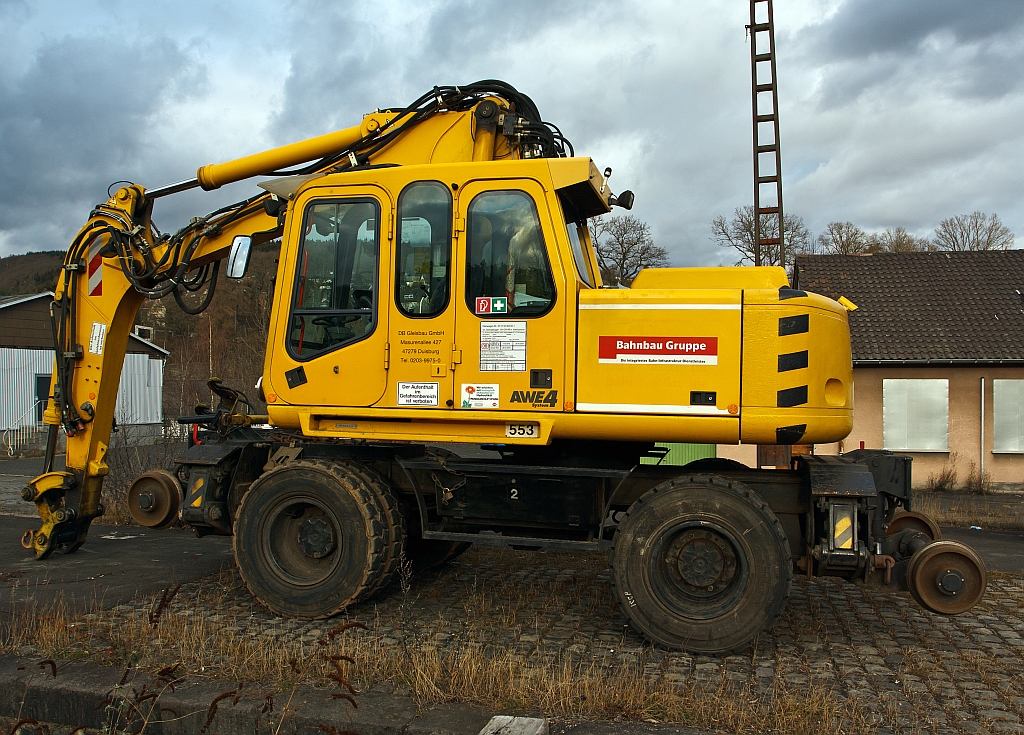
{"x": 444, "y": 367}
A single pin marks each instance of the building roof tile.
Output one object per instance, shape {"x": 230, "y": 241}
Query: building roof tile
{"x": 926, "y": 307}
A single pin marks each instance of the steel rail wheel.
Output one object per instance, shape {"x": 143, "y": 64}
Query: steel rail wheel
{"x": 309, "y": 539}
{"x": 153, "y": 499}
{"x": 702, "y": 564}
{"x": 947, "y": 577}
{"x": 916, "y": 521}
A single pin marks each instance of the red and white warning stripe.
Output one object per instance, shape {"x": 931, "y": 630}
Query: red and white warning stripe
{"x": 95, "y": 266}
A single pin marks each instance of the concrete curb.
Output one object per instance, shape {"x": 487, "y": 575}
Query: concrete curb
{"x": 93, "y": 696}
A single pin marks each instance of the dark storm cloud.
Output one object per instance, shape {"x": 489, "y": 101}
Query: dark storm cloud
{"x": 974, "y": 49}
{"x": 75, "y": 121}
{"x": 913, "y": 113}
{"x": 865, "y": 27}
{"x": 349, "y": 62}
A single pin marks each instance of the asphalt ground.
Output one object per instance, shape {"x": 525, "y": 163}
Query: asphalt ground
{"x": 116, "y": 564}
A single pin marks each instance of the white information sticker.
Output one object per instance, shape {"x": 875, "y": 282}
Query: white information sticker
{"x": 97, "y": 338}
{"x": 481, "y": 395}
{"x": 417, "y": 394}
{"x": 502, "y": 347}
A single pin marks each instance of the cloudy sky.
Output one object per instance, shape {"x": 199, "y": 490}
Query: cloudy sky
{"x": 893, "y": 113}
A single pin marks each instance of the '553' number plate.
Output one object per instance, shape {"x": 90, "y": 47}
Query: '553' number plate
{"x": 524, "y": 431}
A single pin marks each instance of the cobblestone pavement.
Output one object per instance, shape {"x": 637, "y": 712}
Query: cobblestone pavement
{"x": 901, "y": 668}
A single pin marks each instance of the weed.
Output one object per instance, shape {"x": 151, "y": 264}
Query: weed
{"x": 963, "y": 510}
{"x": 976, "y": 482}
{"x": 947, "y": 478}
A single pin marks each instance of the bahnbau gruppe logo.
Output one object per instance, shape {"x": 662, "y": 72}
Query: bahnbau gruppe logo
{"x": 658, "y": 350}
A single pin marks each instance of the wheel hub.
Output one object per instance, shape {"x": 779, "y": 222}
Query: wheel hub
{"x": 950, "y": 582}
{"x": 701, "y": 560}
{"x": 316, "y": 538}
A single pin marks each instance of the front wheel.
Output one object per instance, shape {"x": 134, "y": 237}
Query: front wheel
{"x": 310, "y": 539}
{"x": 702, "y": 564}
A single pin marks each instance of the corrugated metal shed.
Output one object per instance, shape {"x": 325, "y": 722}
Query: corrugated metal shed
{"x": 139, "y": 397}
{"x": 18, "y": 370}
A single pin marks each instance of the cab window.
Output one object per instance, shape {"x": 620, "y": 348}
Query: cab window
{"x": 335, "y": 297}
{"x": 424, "y": 248}
{"x": 509, "y": 272}
{"x": 578, "y": 256}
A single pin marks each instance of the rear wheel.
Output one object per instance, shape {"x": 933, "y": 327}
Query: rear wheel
{"x": 394, "y": 522}
{"x": 426, "y": 554}
{"x": 701, "y": 564}
{"x": 310, "y": 539}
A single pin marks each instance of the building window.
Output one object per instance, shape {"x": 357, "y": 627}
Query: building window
{"x": 1008, "y": 415}
{"x": 915, "y": 415}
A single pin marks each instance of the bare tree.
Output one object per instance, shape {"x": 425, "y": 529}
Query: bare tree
{"x": 975, "y": 231}
{"x": 738, "y": 233}
{"x": 897, "y": 240}
{"x": 624, "y": 248}
{"x": 843, "y": 238}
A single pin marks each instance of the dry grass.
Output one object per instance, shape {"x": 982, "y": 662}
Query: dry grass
{"x": 976, "y": 482}
{"x": 491, "y": 675}
{"x": 947, "y": 478}
{"x": 963, "y": 510}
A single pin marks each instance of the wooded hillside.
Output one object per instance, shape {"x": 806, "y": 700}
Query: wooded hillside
{"x": 29, "y": 273}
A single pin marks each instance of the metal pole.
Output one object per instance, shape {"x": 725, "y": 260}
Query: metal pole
{"x": 753, "y": 110}
{"x": 982, "y": 432}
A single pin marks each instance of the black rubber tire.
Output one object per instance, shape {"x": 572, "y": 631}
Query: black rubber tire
{"x": 422, "y": 554}
{"x": 394, "y": 523}
{"x": 268, "y": 529}
{"x": 656, "y": 597}
{"x": 458, "y": 549}
{"x": 713, "y": 465}
{"x": 426, "y": 554}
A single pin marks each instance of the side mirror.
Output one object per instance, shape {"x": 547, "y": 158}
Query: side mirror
{"x": 238, "y": 259}
{"x": 624, "y": 200}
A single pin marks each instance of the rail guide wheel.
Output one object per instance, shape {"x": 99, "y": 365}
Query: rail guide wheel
{"x": 153, "y": 499}
{"x": 701, "y": 563}
{"x": 311, "y": 539}
{"x": 947, "y": 577}
{"x": 916, "y": 521}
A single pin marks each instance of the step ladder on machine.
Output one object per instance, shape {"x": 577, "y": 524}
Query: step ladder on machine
{"x": 765, "y": 108}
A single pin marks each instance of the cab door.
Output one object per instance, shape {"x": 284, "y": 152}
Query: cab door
{"x": 335, "y": 322}
{"x": 422, "y": 326}
{"x": 510, "y": 312}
